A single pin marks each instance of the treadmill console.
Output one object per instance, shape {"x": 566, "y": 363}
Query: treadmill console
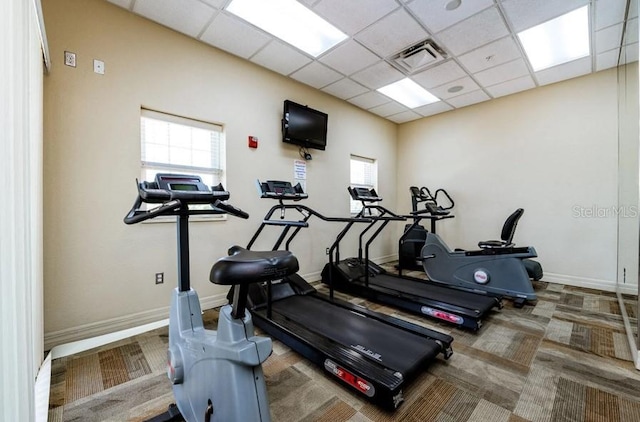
{"x": 364, "y": 194}
{"x": 276, "y": 189}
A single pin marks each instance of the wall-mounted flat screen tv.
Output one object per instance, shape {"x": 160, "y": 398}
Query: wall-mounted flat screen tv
{"x": 304, "y": 126}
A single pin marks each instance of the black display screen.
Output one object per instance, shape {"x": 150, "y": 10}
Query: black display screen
{"x": 184, "y": 186}
{"x": 304, "y": 126}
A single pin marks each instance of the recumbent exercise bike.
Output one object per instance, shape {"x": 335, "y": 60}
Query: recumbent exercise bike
{"x": 499, "y": 267}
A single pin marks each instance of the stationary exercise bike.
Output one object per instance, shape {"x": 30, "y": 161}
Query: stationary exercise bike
{"x": 216, "y": 376}
{"x": 498, "y": 267}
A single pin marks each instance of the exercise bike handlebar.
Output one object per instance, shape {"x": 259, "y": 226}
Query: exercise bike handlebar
{"x": 425, "y": 195}
{"x": 230, "y": 209}
{"x": 448, "y": 198}
{"x": 135, "y": 215}
{"x": 429, "y": 215}
{"x": 175, "y": 202}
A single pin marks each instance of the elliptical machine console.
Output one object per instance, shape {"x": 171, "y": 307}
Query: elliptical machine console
{"x": 216, "y": 376}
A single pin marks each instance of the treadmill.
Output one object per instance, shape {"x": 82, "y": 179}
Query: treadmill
{"x": 360, "y": 277}
{"x": 370, "y": 353}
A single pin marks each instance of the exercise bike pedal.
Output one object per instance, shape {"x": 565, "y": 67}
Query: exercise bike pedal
{"x": 171, "y": 415}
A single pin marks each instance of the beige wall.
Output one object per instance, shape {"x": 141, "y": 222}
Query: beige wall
{"x": 551, "y": 151}
{"x": 99, "y": 273}
{"x": 628, "y": 177}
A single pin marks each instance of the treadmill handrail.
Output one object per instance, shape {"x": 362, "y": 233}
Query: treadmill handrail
{"x": 287, "y": 224}
{"x": 304, "y": 210}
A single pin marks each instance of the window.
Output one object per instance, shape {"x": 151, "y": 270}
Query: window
{"x": 172, "y": 144}
{"x": 364, "y": 173}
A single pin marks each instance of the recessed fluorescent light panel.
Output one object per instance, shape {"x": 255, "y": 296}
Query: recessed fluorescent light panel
{"x": 408, "y": 93}
{"x": 557, "y": 41}
{"x": 291, "y": 22}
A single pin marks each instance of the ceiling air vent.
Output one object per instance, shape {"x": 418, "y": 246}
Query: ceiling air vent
{"x": 419, "y": 56}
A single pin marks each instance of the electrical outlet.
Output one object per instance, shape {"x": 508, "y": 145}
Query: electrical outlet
{"x": 98, "y": 67}
{"x": 159, "y": 278}
{"x": 326, "y": 251}
{"x": 70, "y": 58}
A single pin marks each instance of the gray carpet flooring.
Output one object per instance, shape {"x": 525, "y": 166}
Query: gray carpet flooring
{"x": 564, "y": 358}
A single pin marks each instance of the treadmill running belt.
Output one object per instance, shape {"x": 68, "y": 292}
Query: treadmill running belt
{"x": 392, "y": 347}
{"x": 434, "y": 292}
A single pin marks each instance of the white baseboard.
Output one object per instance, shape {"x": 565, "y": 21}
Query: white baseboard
{"x": 313, "y": 277}
{"x": 385, "y": 259}
{"x": 587, "y": 283}
{"x": 114, "y": 326}
{"x": 71, "y": 340}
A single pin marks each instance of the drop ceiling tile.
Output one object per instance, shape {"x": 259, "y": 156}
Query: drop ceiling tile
{"x": 280, "y": 57}
{"x": 369, "y": 100}
{"x": 317, "y": 75}
{"x": 502, "y": 73}
{"x": 433, "y": 108}
{"x": 466, "y": 83}
{"x": 607, "y": 60}
{"x": 122, "y": 3}
{"x": 564, "y": 71}
{"x": 388, "y": 109}
{"x": 187, "y": 16}
{"x": 352, "y": 16}
{"x": 405, "y": 116}
{"x": 391, "y": 34}
{"x": 608, "y": 38}
{"x": 436, "y": 17}
{"x": 345, "y": 88}
{"x": 439, "y": 75}
{"x": 234, "y": 35}
{"x": 349, "y": 57}
{"x": 502, "y": 51}
{"x": 630, "y": 54}
{"x": 215, "y": 3}
{"x": 480, "y": 29}
{"x": 511, "y": 87}
{"x": 524, "y": 14}
{"x": 631, "y": 32}
{"x": 468, "y": 99}
{"x": 609, "y": 13}
{"x": 377, "y": 76}
{"x": 633, "y": 10}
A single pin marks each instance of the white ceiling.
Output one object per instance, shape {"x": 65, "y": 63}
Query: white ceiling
{"x": 483, "y": 54}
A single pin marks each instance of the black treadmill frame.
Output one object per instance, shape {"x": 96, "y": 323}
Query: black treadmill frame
{"x": 345, "y": 364}
{"x": 335, "y": 276}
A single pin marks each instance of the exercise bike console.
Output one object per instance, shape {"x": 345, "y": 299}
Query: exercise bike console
{"x": 202, "y": 362}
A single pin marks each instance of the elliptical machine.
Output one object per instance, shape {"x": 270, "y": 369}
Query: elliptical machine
{"x": 216, "y": 376}
{"x": 497, "y": 268}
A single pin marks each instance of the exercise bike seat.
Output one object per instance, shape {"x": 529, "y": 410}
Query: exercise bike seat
{"x": 506, "y": 236}
{"x": 243, "y": 267}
